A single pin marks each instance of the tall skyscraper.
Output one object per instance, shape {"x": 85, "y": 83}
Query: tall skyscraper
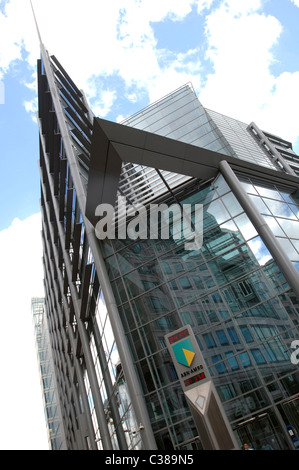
{"x": 53, "y": 419}
{"x": 112, "y": 302}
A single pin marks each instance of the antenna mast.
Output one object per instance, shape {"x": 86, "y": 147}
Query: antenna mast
{"x": 39, "y": 36}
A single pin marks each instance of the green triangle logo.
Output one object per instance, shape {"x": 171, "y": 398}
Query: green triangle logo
{"x": 184, "y": 352}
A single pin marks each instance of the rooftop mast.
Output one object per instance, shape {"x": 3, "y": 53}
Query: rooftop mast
{"x": 37, "y": 28}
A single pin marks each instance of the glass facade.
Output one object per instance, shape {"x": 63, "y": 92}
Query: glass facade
{"x": 279, "y": 207}
{"x": 234, "y": 296}
{"x": 231, "y": 292}
{"x": 181, "y": 116}
{"x": 47, "y": 376}
{"x": 244, "y": 146}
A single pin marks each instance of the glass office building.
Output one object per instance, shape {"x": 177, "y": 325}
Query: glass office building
{"x": 111, "y": 302}
{"x": 55, "y": 429}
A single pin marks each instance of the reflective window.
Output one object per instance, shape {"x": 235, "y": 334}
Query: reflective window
{"x": 230, "y": 291}
{"x": 279, "y": 207}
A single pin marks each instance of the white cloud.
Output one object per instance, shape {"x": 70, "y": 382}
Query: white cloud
{"x": 31, "y": 107}
{"x": 241, "y": 49}
{"x": 103, "y": 104}
{"x": 204, "y": 4}
{"x": 169, "y": 79}
{"x": 21, "y": 278}
{"x": 17, "y": 32}
{"x": 280, "y": 114}
{"x": 120, "y": 38}
{"x": 120, "y": 42}
{"x": 296, "y": 2}
{"x": 237, "y": 8}
{"x": 241, "y": 81}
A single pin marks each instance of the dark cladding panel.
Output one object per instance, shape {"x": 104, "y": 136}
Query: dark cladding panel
{"x": 115, "y": 144}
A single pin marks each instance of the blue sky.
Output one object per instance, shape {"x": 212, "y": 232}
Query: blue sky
{"x": 175, "y": 46}
{"x": 242, "y": 58}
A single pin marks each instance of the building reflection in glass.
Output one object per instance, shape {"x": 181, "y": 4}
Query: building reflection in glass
{"x": 235, "y": 298}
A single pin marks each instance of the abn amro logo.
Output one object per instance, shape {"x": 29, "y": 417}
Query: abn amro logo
{"x": 184, "y": 352}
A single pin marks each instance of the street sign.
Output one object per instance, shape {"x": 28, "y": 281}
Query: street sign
{"x": 187, "y": 358}
{"x": 209, "y": 416}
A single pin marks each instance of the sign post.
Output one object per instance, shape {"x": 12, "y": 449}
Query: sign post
{"x": 212, "y": 424}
